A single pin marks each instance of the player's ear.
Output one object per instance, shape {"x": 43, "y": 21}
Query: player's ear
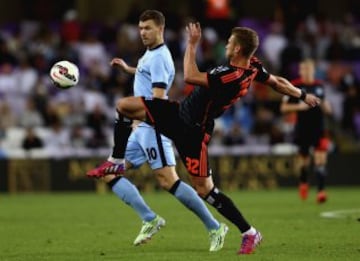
{"x": 237, "y": 48}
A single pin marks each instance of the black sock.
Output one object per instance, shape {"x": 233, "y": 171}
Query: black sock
{"x": 122, "y": 131}
{"x": 320, "y": 172}
{"x": 174, "y": 187}
{"x": 226, "y": 207}
{"x": 304, "y": 173}
{"x": 112, "y": 182}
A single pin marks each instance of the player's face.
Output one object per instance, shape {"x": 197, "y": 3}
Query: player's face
{"x": 307, "y": 71}
{"x": 150, "y": 33}
{"x": 231, "y": 47}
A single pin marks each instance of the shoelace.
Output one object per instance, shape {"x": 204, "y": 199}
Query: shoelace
{"x": 146, "y": 228}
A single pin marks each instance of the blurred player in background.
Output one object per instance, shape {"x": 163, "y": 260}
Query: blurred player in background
{"x": 190, "y": 123}
{"x": 310, "y": 129}
{"x": 154, "y": 76}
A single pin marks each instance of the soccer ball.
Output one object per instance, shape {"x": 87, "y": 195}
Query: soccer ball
{"x": 64, "y": 74}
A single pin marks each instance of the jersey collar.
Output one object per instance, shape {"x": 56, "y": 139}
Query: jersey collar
{"x": 156, "y": 47}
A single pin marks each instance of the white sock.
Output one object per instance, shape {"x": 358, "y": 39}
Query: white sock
{"x": 116, "y": 161}
{"x": 251, "y": 231}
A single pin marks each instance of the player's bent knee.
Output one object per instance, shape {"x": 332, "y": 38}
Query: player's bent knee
{"x": 202, "y": 191}
{"x": 166, "y": 179}
{"x": 121, "y": 106}
{"x": 164, "y": 184}
{"x": 202, "y": 185}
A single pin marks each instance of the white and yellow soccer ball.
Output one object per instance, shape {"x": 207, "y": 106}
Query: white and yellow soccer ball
{"x": 64, "y": 74}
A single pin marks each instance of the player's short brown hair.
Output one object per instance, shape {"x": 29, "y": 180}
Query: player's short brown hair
{"x": 247, "y": 38}
{"x": 154, "y": 15}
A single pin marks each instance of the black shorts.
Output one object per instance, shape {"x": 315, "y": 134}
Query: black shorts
{"x": 315, "y": 141}
{"x": 190, "y": 141}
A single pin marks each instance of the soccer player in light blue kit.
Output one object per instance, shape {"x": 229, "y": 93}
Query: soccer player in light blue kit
{"x": 154, "y": 75}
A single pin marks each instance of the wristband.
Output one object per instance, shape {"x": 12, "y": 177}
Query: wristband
{"x": 303, "y": 95}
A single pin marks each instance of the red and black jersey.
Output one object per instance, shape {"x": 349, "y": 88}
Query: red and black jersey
{"x": 226, "y": 85}
{"x": 311, "y": 120}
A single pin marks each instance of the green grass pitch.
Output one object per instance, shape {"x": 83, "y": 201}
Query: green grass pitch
{"x": 85, "y": 226}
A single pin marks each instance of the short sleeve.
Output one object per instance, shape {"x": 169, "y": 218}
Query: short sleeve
{"x": 214, "y": 74}
{"x": 160, "y": 73}
{"x": 262, "y": 74}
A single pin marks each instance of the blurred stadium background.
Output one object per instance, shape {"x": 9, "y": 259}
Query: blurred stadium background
{"x": 252, "y": 145}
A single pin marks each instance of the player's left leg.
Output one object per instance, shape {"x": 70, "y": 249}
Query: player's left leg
{"x": 169, "y": 180}
{"x": 320, "y": 160}
{"x": 161, "y": 158}
{"x": 226, "y": 207}
{"x": 193, "y": 151}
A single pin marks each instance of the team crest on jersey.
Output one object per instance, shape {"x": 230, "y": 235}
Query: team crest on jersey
{"x": 219, "y": 69}
{"x": 319, "y": 92}
{"x": 264, "y": 70}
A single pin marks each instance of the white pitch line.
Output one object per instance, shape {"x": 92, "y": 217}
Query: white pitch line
{"x": 342, "y": 213}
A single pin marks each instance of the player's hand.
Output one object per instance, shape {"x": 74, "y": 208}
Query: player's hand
{"x": 302, "y": 106}
{"x": 312, "y": 100}
{"x": 120, "y": 63}
{"x": 194, "y": 33}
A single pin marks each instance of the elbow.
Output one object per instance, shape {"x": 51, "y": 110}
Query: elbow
{"x": 188, "y": 78}
{"x": 195, "y": 78}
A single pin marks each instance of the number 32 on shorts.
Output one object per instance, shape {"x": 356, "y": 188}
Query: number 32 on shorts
{"x": 192, "y": 165}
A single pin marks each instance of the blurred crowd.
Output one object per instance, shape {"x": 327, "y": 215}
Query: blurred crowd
{"x": 34, "y": 113}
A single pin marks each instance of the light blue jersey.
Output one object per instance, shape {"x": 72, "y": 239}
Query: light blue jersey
{"x": 155, "y": 69}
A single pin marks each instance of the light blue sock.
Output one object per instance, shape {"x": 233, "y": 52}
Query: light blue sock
{"x": 129, "y": 194}
{"x": 188, "y": 197}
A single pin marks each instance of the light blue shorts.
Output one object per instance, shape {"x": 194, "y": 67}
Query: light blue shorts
{"x": 146, "y": 145}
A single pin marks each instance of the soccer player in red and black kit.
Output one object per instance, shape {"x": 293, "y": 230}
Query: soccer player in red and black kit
{"x": 190, "y": 123}
{"x": 310, "y": 129}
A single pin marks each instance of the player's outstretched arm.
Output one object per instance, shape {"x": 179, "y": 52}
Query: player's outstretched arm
{"x": 287, "y": 107}
{"x": 123, "y": 65}
{"x": 283, "y": 86}
{"x": 192, "y": 75}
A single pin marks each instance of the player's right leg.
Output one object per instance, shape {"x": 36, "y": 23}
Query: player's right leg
{"x": 304, "y": 161}
{"x": 130, "y": 195}
{"x": 135, "y": 157}
{"x": 128, "y": 108}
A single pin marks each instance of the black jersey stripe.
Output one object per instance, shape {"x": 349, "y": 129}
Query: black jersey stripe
{"x": 161, "y": 148}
